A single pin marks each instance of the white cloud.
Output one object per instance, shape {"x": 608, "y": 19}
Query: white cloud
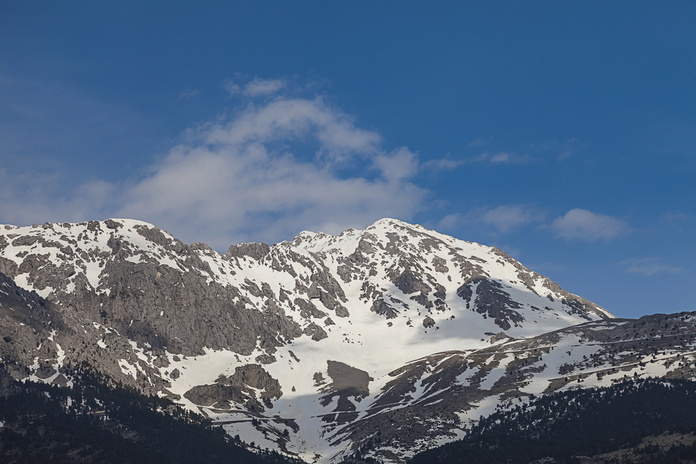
{"x": 291, "y": 120}
{"x": 272, "y": 171}
{"x": 502, "y": 219}
{"x": 231, "y": 87}
{"x": 446, "y": 163}
{"x": 507, "y": 217}
{"x": 263, "y": 87}
{"x": 265, "y": 173}
{"x": 449, "y": 222}
{"x": 586, "y": 225}
{"x": 649, "y": 266}
{"x": 500, "y": 158}
{"x": 398, "y": 165}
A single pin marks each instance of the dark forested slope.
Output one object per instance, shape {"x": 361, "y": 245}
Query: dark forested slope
{"x": 588, "y": 423}
{"x": 95, "y": 423}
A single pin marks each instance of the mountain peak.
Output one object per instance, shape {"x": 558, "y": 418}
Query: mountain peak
{"x": 391, "y": 223}
{"x": 377, "y": 232}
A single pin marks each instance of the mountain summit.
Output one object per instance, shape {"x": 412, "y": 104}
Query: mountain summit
{"x": 291, "y": 345}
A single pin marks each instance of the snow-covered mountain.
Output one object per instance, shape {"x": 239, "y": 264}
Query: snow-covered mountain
{"x": 386, "y": 340}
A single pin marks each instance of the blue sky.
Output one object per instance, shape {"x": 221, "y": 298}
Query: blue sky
{"x": 562, "y": 132}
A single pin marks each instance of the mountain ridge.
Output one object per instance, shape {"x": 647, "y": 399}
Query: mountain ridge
{"x": 290, "y": 345}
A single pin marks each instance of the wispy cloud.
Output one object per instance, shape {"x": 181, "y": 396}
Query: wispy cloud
{"x": 480, "y": 141}
{"x": 188, "y": 94}
{"x": 507, "y": 217}
{"x": 273, "y": 170}
{"x": 649, "y": 266}
{"x": 51, "y": 137}
{"x": 447, "y": 163}
{"x": 567, "y": 149}
{"x": 37, "y": 197}
{"x": 585, "y": 225}
{"x": 499, "y": 219}
{"x": 504, "y": 158}
{"x": 268, "y": 171}
{"x": 561, "y": 150}
{"x": 674, "y": 217}
{"x": 231, "y": 87}
{"x": 256, "y": 87}
{"x": 263, "y": 87}
{"x": 295, "y": 120}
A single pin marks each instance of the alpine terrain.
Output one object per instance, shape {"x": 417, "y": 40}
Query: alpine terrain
{"x": 372, "y": 344}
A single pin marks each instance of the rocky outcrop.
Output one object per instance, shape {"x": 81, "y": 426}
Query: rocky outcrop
{"x": 492, "y": 301}
{"x": 240, "y": 388}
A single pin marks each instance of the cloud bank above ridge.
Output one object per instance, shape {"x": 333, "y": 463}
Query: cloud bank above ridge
{"x": 278, "y": 163}
{"x": 276, "y": 168}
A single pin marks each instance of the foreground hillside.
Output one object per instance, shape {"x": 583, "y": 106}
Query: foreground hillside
{"x": 92, "y": 422}
{"x": 641, "y": 421}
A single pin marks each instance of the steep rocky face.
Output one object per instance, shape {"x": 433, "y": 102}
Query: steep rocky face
{"x": 138, "y": 280}
{"x": 292, "y": 345}
{"x": 26, "y": 322}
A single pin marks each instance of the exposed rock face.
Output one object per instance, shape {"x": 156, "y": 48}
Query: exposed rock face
{"x": 239, "y": 388}
{"x": 348, "y": 383}
{"x": 491, "y": 301}
{"x": 306, "y": 333}
{"x": 26, "y": 322}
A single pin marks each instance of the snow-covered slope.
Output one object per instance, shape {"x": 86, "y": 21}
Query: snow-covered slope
{"x": 463, "y": 386}
{"x": 289, "y": 346}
